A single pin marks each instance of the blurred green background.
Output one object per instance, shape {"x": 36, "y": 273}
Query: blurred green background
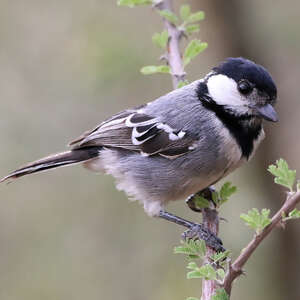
{"x": 69, "y": 234}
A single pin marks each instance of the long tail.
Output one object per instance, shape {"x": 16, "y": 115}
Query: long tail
{"x": 55, "y": 161}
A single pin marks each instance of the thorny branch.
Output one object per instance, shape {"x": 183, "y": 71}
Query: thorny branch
{"x": 174, "y": 56}
{"x": 235, "y": 269}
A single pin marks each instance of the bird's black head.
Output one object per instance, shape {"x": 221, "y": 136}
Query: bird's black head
{"x": 241, "y": 69}
{"x": 244, "y": 88}
{"x": 241, "y": 94}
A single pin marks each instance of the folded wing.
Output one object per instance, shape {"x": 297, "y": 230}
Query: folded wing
{"x": 140, "y": 132}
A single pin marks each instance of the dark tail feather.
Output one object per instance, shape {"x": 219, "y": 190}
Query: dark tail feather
{"x": 55, "y": 161}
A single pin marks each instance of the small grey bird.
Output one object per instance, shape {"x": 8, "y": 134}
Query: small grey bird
{"x": 180, "y": 143}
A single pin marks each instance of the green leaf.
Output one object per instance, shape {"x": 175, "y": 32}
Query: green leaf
{"x": 216, "y": 257}
{"x": 192, "y": 50}
{"x": 215, "y": 197}
{"x": 192, "y": 28}
{"x": 257, "y": 221}
{"x": 182, "y": 84}
{"x": 221, "y": 273}
{"x": 194, "y": 274}
{"x": 169, "y": 16}
{"x": 192, "y": 298}
{"x": 226, "y": 191}
{"x": 192, "y": 248}
{"x": 207, "y": 272}
{"x": 185, "y": 11}
{"x": 196, "y": 17}
{"x": 283, "y": 175}
{"x": 201, "y": 202}
{"x": 160, "y": 39}
{"x": 148, "y": 70}
{"x": 183, "y": 250}
{"x": 192, "y": 265}
{"x": 220, "y": 295}
{"x": 294, "y": 214}
{"x": 298, "y": 186}
{"x": 199, "y": 247}
{"x": 133, "y": 3}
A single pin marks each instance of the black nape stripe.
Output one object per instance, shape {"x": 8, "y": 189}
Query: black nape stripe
{"x": 239, "y": 128}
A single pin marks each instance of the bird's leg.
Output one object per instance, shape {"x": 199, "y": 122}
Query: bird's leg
{"x": 206, "y": 193}
{"x": 195, "y": 231}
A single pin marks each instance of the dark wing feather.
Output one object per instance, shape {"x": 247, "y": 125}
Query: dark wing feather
{"x": 138, "y": 132}
{"x": 118, "y": 116}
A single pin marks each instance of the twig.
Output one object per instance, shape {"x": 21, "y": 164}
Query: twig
{"x": 174, "y": 57}
{"x": 235, "y": 269}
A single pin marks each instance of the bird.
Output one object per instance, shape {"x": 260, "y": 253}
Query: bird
{"x": 181, "y": 143}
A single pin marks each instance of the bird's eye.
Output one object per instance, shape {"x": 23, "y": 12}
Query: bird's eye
{"x": 245, "y": 87}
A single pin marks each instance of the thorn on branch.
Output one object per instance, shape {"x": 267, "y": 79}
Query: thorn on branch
{"x": 164, "y": 57}
{"x": 179, "y": 77}
{"x": 158, "y": 4}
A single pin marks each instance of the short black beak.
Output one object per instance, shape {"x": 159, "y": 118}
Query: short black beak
{"x": 267, "y": 112}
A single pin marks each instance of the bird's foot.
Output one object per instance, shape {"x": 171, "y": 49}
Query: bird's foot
{"x": 195, "y": 231}
{"x": 198, "y": 232}
{"x": 206, "y": 193}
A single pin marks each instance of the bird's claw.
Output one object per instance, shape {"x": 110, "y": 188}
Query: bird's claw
{"x": 198, "y": 232}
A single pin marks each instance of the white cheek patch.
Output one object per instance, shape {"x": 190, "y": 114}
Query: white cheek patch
{"x": 223, "y": 91}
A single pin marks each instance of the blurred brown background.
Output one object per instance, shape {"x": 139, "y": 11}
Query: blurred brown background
{"x": 68, "y": 234}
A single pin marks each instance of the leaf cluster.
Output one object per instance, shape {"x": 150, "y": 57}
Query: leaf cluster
{"x": 293, "y": 215}
{"x": 226, "y": 191}
{"x": 169, "y": 16}
{"x": 257, "y": 220}
{"x": 194, "y": 48}
{"x": 206, "y": 271}
{"x": 283, "y": 175}
{"x": 189, "y": 19}
{"x": 196, "y": 249}
{"x": 218, "y": 197}
{"x": 189, "y": 25}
